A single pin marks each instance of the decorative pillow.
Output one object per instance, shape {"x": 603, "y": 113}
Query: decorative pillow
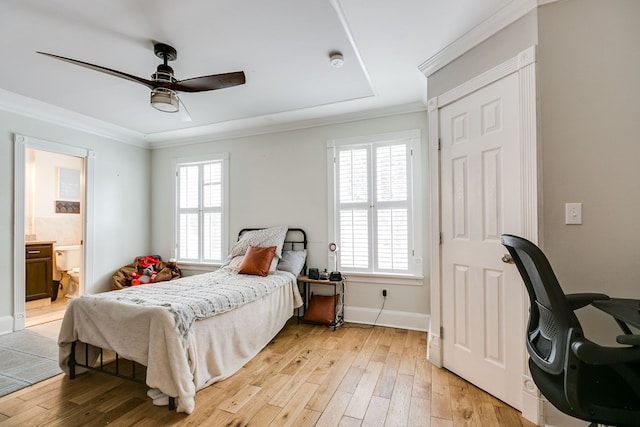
{"x": 293, "y": 261}
{"x": 273, "y": 236}
{"x": 321, "y": 309}
{"x": 237, "y": 261}
{"x": 257, "y": 260}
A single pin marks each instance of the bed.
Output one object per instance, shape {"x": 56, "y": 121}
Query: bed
{"x": 193, "y": 331}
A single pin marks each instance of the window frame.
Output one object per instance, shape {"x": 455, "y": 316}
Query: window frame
{"x": 413, "y": 140}
{"x": 223, "y": 158}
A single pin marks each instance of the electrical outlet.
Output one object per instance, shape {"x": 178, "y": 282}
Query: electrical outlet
{"x": 384, "y": 293}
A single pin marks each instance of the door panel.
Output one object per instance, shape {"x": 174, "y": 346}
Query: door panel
{"x": 483, "y": 334}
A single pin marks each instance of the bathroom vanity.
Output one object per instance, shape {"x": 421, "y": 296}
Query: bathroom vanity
{"x": 39, "y": 269}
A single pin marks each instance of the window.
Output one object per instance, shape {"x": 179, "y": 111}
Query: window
{"x": 201, "y": 210}
{"x": 374, "y": 211}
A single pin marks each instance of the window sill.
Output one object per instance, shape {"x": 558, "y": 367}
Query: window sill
{"x": 198, "y": 266}
{"x": 384, "y": 279}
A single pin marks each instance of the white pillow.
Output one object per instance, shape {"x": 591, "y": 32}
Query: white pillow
{"x": 273, "y": 236}
{"x": 293, "y": 261}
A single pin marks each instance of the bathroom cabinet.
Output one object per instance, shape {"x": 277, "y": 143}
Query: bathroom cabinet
{"x": 39, "y": 270}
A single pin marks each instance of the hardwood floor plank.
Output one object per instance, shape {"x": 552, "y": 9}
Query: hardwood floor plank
{"x": 338, "y": 371}
{"x": 26, "y": 418}
{"x": 349, "y": 422}
{"x": 408, "y": 361}
{"x": 308, "y": 375}
{"x": 399, "y": 337}
{"x": 422, "y": 379}
{"x": 295, "y": 382}
{"x": 263, "y": 417}
{"x": 400, "y": 402}
{"x": 440, "y": 422}
{"x": 258, "y": 406}
{"x": 288, "y": 415}
{"x": 387, "y": 379}
{"x": 420, "y": 412}
{"x": 380, "y": 353}
{"x": 320, "y": 373}
{"x": 335, "y": 409}
{"x": 238, "y": 400}
{"x": 351, "y": 379}
{"x": 440, "y": 394}
{"x": 307, "y": 418}
{"x": 363, "y": 392}
{"x": 376, "y": 414}
{"x": 355, "y": 337}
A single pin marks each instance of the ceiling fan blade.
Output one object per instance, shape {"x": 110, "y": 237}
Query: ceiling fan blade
{"x": 150, "y": 84}
{"x": 212, "y": 82}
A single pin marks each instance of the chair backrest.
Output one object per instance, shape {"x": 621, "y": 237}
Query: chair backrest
{"x": 551, "y": 320}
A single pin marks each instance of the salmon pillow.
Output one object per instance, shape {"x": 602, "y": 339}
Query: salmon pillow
{"x": 257, "y": 260}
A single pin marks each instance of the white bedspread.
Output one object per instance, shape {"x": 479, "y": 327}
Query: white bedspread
{"x": 182, "y": 355}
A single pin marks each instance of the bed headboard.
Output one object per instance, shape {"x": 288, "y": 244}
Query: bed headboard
{"x": 295, "y": 240}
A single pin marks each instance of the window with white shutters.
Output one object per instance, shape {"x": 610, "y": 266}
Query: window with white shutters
{"x": 201, "y": 188}
{"x": 373, "y": 209}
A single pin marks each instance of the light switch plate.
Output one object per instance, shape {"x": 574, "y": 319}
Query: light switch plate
{"x": 573, "y": 213}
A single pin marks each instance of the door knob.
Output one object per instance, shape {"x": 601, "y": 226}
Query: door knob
{"x": 506, "y": 258}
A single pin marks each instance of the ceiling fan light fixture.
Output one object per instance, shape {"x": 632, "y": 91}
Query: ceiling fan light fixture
{"x": 165, "y": 100}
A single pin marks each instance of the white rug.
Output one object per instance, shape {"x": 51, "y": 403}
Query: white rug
{"x": 26, "y": 358}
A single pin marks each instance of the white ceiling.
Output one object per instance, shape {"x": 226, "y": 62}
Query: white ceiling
{"x": 282, "y": 46}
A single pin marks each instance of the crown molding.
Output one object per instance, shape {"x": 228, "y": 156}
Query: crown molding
{"x": 19, "y": 104}
{"x": 513, "y": 11}
{"x": 256, "y": 126}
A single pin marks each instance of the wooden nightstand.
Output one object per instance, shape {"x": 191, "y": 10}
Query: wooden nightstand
{"x": 338, "y": 294}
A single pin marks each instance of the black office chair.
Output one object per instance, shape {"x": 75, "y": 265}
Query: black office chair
{"x": 579, "y": 377}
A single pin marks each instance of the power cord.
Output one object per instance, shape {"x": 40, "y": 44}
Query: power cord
{"x": 384, "y": 296}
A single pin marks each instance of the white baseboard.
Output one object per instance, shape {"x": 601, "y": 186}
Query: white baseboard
{"x": 6, "y": 324}
{"x": 555, "y": 418}
{"x": 389, "y": 318}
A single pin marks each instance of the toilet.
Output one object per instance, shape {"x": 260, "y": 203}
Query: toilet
{"x": 68, "y": 260}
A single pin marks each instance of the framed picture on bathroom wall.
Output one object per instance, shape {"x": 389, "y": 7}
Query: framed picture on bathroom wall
{"x": 68, "y": 184}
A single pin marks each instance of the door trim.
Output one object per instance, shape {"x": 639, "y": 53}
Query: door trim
{"x": 525, "y": 65}
{"x": 21, "y": 143}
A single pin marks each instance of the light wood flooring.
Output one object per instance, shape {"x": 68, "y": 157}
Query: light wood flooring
{"x": 307, "y": 376}
{"x": 45, "y": 311}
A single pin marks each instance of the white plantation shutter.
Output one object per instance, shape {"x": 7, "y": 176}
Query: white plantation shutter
{"x": 353, "y": 189}
{"x": 201, "y": 189}
{"x": 392, "y": 207}
{"x": 374, "y": 206}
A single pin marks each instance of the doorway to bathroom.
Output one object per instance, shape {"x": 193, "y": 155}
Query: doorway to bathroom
{"x": 53, "y": 203}
{"x": 52, "y": 228}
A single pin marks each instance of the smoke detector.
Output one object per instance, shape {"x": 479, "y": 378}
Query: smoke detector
{"x": 336, "y": 59}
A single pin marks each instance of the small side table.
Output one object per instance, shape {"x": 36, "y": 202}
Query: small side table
{"x": 338, "y": 292}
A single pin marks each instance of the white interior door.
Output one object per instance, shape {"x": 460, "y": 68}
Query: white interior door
{"x": 482, "y": 321}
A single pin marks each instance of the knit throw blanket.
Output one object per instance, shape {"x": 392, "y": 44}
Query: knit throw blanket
{"x": 202, "y": 296}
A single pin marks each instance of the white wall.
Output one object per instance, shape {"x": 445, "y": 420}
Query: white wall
{"x": 41, "y": 219}
{"x": 122, "y": 200}
{"x": 281, "y": 178}
{"x": 590, "y": 99}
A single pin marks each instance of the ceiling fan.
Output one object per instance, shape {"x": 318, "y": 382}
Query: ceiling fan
{"x": 163, "y": 83}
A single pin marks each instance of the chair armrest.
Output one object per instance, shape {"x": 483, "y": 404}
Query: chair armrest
{"x": 628, "y": 339}
{"x": 577, "y": 301}
{"x": 594, "y": 354}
